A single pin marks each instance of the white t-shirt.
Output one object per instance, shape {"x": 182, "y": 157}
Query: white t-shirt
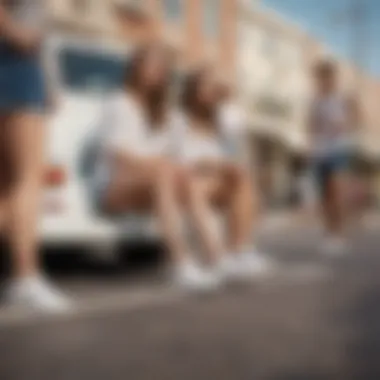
{"x": 233, "y": 122}
{"x": 330, "y": 124}
{"x": 194, "y": 146}
{"x": 232, "y": 118}
{"x": 125, "y": 129}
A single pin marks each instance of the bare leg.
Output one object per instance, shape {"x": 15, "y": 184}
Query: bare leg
{"x": 3, "y": 207}
{"x": 27, "y": 135}
{"x": 157, "y": 188}
{"x": 197, "y": 199}
{"x": 154, "y": 188}
{"x": 333, "y": 205}
{"x": 4, "y": 171}
{"x": 232, "y": 196}
{"x": 169, "y": 213}
{"x": 241, "y": 206}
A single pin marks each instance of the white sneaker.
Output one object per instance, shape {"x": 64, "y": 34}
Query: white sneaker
{"x": 38, "y": 294}
{"x": 254, "y": 264}
{"x": 334, "y": 246}
{"x": 230, "y": 268}
{"x": 192, "y": 277}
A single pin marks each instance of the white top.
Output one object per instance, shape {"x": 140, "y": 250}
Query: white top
{"x": 330, "y": 127}
{"x": 194, "y": 146}
{"x": 232, "y": 118}
{"x": 233, "y": 122}
{"x": 125, "y": 129}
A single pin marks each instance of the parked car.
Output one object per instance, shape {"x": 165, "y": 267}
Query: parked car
{"x": 85, "y": 72}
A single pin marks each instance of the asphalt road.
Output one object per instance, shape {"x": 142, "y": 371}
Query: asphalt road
{"x": 315, "y": 318}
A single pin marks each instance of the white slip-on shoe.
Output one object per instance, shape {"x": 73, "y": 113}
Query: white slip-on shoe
{"x": 191, "y": 277}
{"x": 38, "y": 294}
{"x": 230, "y": 268}
{"x": 254, "y": 264}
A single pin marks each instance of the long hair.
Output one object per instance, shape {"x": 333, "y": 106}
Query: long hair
{"x": 155, "y": 99}
{"x": 191, "y": 102}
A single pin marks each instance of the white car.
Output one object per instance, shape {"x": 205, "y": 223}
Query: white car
{"x": 85, "y": 71}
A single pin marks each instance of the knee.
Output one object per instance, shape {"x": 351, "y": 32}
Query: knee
{"x": 238, "y": 176}
{"x": 186, "y": 186}
{"x": 165, "y": 171}
{"x": 176, "y": 178}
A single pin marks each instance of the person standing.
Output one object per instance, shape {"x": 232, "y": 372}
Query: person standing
{"x": 23, "y": 101}
{"x": 332, "y": 121}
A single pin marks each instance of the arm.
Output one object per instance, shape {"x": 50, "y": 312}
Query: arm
{"x": 22, "y": 38}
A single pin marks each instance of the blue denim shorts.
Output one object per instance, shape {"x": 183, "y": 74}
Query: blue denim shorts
{"x": 327, "y": 166}
{"x": 22, "y": 84}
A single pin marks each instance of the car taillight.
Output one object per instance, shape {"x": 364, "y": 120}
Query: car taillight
{"x": 55, "y": 176}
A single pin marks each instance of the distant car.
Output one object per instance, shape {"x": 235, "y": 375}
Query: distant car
{"x": 85, "y": 72}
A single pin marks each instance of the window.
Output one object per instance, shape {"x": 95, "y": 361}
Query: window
{"x": 211, "y": 17}
{"x": 91, "y": 71}
{"x": 173, "y": 9}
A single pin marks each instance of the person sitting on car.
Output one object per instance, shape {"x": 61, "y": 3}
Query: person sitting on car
{"x": 223, "y": 182}
{"x": 134, "y": 169}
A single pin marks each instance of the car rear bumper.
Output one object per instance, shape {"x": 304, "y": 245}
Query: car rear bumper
{"x": 76, "y": 231}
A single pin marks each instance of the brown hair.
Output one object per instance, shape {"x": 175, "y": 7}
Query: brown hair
{"x": 325, "y": 69}
{"x": 190, "y": 101}
{"x": 133, "y": 13}
{"x": 155, "y": 99}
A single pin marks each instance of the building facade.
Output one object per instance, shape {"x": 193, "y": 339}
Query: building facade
{"x": 270, "y": 58}
{"x": 203, "y": 29}
{"x": 274, "y": 63}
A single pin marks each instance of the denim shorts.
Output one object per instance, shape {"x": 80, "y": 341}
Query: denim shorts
{"x": 327, "y": 166}
{"x": 22, "y": 85}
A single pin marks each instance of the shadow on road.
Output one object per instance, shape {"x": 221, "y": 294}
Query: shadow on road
{"x": 73, "y": 261}
{"x": 363, "y": 345}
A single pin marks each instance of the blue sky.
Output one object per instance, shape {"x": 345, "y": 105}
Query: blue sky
{"x": 319, "y": 18}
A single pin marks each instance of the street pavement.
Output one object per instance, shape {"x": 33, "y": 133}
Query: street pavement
{"x": 314, "y": 318}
